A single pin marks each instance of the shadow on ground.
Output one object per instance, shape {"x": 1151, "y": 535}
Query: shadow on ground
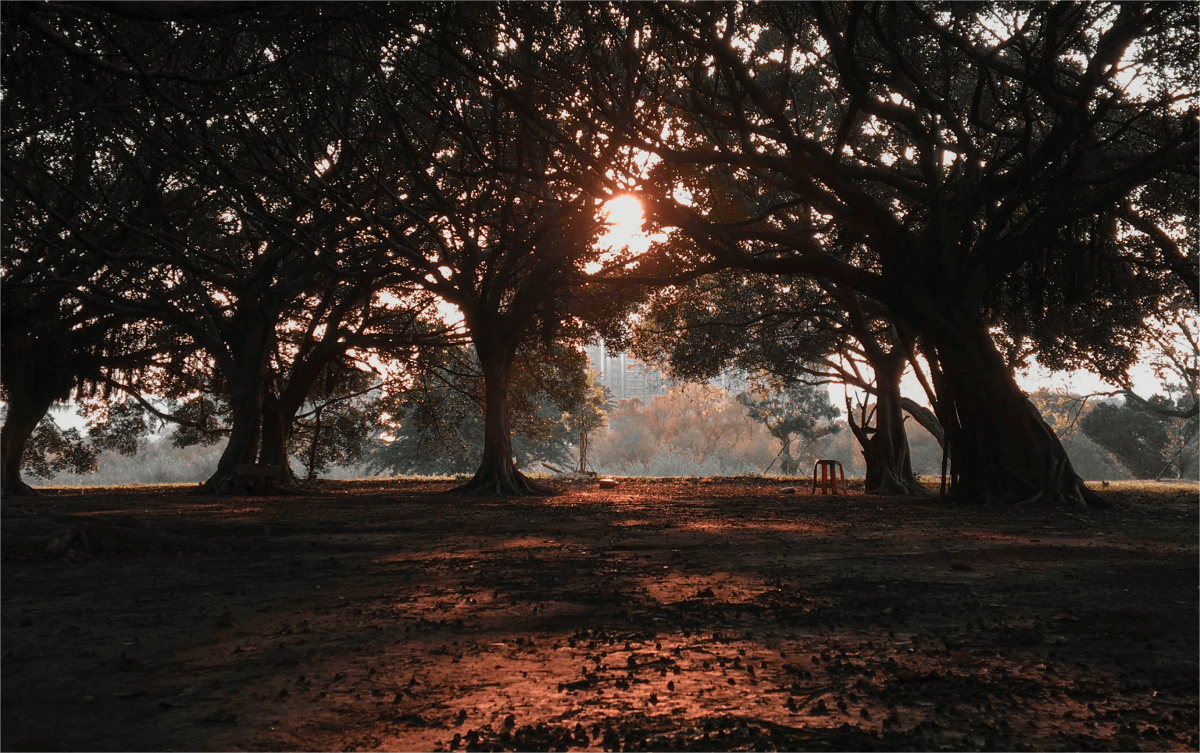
{"x": 678, "y": 615}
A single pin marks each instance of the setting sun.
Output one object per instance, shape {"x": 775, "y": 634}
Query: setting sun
{"x": 624, "y": 220}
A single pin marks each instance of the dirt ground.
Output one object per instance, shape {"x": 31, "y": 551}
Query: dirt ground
{"x": 675, "y": 615}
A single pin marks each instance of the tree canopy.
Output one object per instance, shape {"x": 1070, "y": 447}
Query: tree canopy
{"x": 229, "y": 206}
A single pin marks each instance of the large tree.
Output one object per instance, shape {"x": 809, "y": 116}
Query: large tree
{"x": 498, "y": 224}
{"x": 963, "y": 165}
{"x": 227, "y": 125}
{"x": 62, "y": 197}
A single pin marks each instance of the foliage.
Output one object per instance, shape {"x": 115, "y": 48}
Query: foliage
{"x": 340, "y": 424}
{"x": 733, "y": 320}
{"x": 118, "y": 427}
{"x": 1146, "y": 442}
{"x": 51, "y": 451}
{"x": 157, "y": 461}
{"x": 436, "y": 425}
{"x": 1061, "y": 411}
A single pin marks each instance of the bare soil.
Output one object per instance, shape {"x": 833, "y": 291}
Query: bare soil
{"x": 676, "y": 615}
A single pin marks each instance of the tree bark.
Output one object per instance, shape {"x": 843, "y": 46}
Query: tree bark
{"x": 23, "y": 417}
{"x": 885, "y": 447}
{"x": 278, "y": 418}
{"x": 498, "y": 475}
{"x": 1001, "y": 449}
{"x": 244, "y": 366}
{"x": 36, "y": 375}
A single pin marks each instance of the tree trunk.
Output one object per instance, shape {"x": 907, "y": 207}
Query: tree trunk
{"x": 36, "y": 374}
{"x": 245, "y": 370}
{"x": 279, "y": 413}
{"x": 885, "y": 447}
{"x": 1000, "y": 447}
{"x": 789, "y": 465}
{"x": 246, "y": 406}
{"x": 23, "y": 417}
{"x": 278, "y": 418}
{"x": 498, "y": 475}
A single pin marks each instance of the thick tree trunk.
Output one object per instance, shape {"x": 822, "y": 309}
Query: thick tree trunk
{"x": 498, "y": 475}
{"x": 36, "y": 374}
{"x": 246, "y": 406}
{"x": 1000, "y": 447}
{"x": 279, "y": 412}
{"x": 885, "y": 447}
{"x": 23, "y": 417}
{"x": 278, "y": 418}
{"x": 245, "y": 372}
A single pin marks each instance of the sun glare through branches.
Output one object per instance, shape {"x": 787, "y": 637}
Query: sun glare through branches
{"x": 623, "y": 219}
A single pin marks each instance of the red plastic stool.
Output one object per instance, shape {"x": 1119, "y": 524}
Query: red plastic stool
{"x": 831, "y": 483}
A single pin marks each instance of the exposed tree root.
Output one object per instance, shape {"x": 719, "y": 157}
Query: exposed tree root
{"x": 506, "y": 481}
{"x": 234, "y": 485}
{"x": 18, "y": 488}
{"x": 1096, "y": 499}
{"x": 891, "y": 486}
{"x": 1068, "y": 492}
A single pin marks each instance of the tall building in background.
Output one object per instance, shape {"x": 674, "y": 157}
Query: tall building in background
{"x": 624, "y": 376}
{"x": 627, "y": 377}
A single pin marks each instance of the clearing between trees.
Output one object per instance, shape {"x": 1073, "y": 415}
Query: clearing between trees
{"x": 673, "y": 614}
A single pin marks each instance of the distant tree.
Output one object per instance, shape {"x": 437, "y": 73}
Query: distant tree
{"x": 625, "y": 442}
{"x": 790, "y": 412}
{"x": 437, "y": 424}
{"x": 1146, "y": 442}
{"x": 1171, "y": 347}
{"x": 1061, "y": 410}
{"x": 587, "y": 415}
